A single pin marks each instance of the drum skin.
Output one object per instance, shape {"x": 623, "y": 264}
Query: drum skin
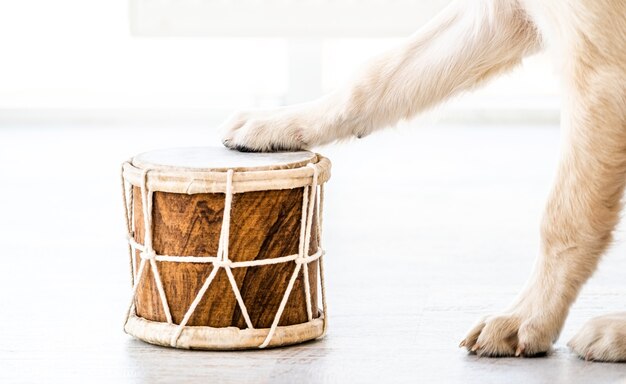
{"x": 264, "y": 224}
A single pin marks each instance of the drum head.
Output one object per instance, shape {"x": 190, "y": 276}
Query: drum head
{"x": 220, "y": 159}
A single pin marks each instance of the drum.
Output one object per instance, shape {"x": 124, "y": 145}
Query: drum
{"x": 225, "y": 247}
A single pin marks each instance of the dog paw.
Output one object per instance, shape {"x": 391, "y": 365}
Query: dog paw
{"x": 269, "y": 131}
{"x": 508, "y": 335}
{"x": 602, "y": 338}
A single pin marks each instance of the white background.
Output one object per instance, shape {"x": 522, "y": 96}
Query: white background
{"x": 80, "y": 55}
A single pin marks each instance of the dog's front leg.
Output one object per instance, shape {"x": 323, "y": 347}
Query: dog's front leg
{"x": 467, "y": 43}
{"x": 580, "y": 216}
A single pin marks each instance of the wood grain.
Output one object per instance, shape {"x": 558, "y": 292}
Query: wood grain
{"x": 264, "y": 225}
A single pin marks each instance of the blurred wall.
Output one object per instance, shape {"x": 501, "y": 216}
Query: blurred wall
{"x": 82, "y": 56}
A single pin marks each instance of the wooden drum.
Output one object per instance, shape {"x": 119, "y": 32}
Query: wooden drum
{"x": 225, "y": 247}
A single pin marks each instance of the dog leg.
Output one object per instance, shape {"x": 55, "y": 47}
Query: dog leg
{"x": 467, "y": 43}
{"x": 580, "y": 216}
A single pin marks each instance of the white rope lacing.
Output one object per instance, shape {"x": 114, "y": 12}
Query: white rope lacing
{"x": 148, "y": 253}
{"x": 127, "y": 195}
{"x": 320, "y": 211}
{"x": 222, "y": 260}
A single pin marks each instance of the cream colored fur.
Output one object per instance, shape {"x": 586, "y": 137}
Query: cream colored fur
{"x": 466, "y": 44}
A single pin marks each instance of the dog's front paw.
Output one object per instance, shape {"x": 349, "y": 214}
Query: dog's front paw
{"x": 512, "y": 334}
{"x": 265, "y": 131}
{"x": 602, "y": 338}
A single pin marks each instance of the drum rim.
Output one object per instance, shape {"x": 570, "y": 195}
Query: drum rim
{"x": 140, "y": 163}
{"x": 227, "y": 338}
{"x": 214, "y": 181}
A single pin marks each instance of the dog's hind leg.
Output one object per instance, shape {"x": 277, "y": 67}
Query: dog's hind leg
{"x": 469, "y": 42}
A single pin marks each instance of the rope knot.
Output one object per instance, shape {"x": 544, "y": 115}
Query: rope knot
{"x": 148, "y": 254}
{"x": 223, "y": 263}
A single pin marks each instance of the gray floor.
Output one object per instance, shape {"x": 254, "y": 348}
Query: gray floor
{"x": 426, "y": 230}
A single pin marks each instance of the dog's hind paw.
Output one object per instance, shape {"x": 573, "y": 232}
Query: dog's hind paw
{"x": 602, "y": 338}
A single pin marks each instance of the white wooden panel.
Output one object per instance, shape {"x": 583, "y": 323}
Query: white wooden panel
{"x": 294, "y": 18}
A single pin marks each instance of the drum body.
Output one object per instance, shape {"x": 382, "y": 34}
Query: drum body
{"x": 225, "y": 247}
